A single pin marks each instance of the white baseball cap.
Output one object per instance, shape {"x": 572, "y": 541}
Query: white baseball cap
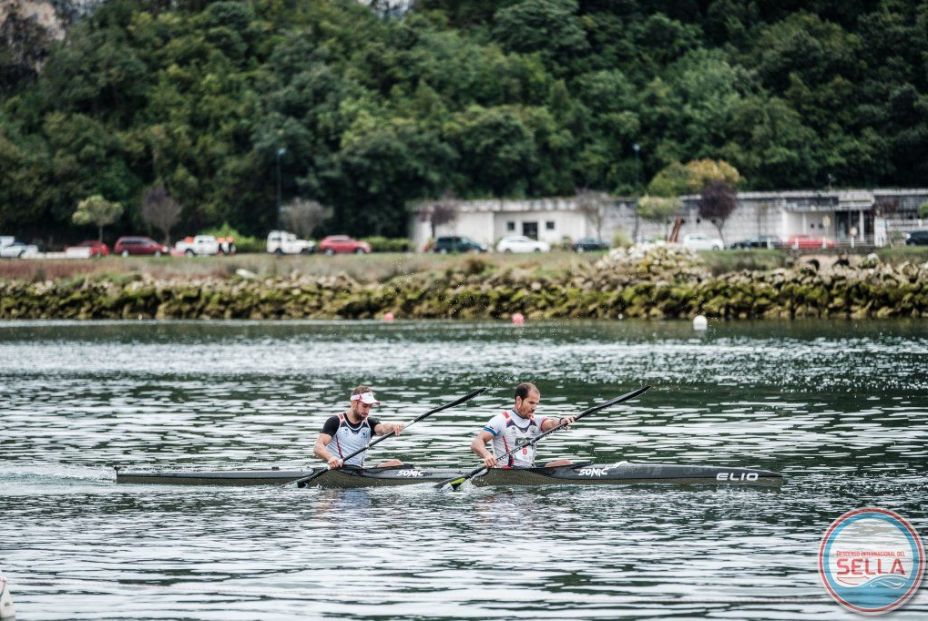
{"x": 365, "y": 397}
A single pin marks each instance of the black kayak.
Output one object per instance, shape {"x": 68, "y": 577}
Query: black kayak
{"x": 622, "y": 473}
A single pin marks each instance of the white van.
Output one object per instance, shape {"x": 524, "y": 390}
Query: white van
{"x": 282, "y": 242}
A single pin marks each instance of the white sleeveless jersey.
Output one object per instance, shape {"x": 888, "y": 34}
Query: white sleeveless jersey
{"x": 348, "y": 439}
{"x": 511, "y": 430}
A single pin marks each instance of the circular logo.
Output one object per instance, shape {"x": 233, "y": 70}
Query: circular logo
{"x": 871, "y": 560}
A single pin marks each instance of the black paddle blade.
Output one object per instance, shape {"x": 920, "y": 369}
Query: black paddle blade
{"x": 619, "y": 399}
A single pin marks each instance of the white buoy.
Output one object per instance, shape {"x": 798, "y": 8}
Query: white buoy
{"x": 7, "y": 611}
{"x": 700, "y": 322}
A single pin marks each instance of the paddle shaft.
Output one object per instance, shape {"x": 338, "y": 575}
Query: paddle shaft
{"x": 456, "y": 482}
{"x": 302, "y": 482}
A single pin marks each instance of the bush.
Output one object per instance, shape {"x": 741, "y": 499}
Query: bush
{"x": 621, "y": 239}
{"x": 923, "y": 210}
{"x": 385, "y": 244}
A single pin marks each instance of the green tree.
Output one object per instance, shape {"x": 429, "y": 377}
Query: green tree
{"x": 701, "y": 173}
{"x": 658, "y": 209}
{"x": 497, "y": 152}
{"x": 671, "y": 181}
{"x": 98, "y": 211}
{"x": 551, "y": 28}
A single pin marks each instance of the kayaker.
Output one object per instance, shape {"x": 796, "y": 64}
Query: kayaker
{"x": 514, "y": 428}
{"x": 345, "y": 433}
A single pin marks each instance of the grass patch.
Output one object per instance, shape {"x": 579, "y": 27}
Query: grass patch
{"x": 901, "y": 254}
{"x": 759, "y": 260}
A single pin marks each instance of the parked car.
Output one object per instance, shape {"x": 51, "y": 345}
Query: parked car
{"x": 454, "y": 243}
{"x": 916, "y": 238}
{"x": 138, "y": 245}
{"x": 203, "y": 245}
{"x": 87, "y": 249}
{"x": 761, "y": 241}
{"x": 18, "y": 250}
{"x": 282, "y": 242}
{"x": 342, "y": 244}
{"x": 587, "y": 244}
{"x": 808, "y": 242}
{"x": 698, "y": 241}
{"x": 521, "y": 243}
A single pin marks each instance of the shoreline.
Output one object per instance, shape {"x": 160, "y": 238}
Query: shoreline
{"x": 655, "y": 283}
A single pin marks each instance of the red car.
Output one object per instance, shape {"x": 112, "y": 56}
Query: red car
{"x": 342, "y": 244}
{"x": 139, "y": 245}
{"x": 89, "y": 248}
{"x": 807, "y": 242}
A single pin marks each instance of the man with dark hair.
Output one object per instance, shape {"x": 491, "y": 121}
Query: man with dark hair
{"x": 345, "y": 433}
{"x": 514, "y": 428}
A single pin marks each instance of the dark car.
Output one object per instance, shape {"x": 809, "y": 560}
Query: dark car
{"x": 454, "y": 243}
{"x": 588, "y": 244}
{"x": 138, "y": 245}
{"x": 916, "y": 238}
{"x": 761, "y": 241}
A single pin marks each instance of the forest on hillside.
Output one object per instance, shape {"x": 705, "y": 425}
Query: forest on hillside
{"x": 366, "y": 109}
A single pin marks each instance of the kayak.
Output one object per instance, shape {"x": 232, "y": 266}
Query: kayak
{"x": 621, "y": 473}
{"x": 628, "y": 473}
{"x": 274, "y": 476}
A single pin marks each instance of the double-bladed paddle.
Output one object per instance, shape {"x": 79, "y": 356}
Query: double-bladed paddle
{"x": 302, "y": 482}
{"x": 458, "y": 481}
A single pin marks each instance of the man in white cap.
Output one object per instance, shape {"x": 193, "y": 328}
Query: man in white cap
{"x": 350, "y": 431}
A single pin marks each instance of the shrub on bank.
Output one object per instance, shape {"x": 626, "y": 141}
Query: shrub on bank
{"x": 388, "y": 244}
{"x": 243, "y": 243}
{"x": 668, "y": 283}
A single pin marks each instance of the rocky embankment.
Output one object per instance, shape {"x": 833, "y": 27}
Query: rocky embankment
{"x": 658, "y": 283}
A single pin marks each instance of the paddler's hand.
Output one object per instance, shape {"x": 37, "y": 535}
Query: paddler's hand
{"x": 489, "y": 461}
{"x": 334, "y": 463}
{"x": 397, "y": 428}
{"x": 566, "y": 420}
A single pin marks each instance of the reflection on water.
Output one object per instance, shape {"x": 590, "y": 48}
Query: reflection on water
{"x": 839, "y": 407}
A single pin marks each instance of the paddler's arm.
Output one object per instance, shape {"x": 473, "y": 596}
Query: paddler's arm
{"x": 383, "y": 429}
{"x": 551, "y": 422}
{"x": 320, "y": 452}
{"x": 479, "y": 446}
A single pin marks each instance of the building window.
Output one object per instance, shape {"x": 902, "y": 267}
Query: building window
{"x": 510, "y": 226}
{"x": 549, "y": 225}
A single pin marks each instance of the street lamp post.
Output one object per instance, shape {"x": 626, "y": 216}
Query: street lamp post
{"x": 636, "y": 147}
{"x": 280, "y": 153}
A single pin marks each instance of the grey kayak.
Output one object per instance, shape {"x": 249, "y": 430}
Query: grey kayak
{"x": 627, "y": 473}
{"x": 575, "y": 474}
{"x": 273, "y": 476}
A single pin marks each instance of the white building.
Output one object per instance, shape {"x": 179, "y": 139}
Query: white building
{"x": 871, "y": 217}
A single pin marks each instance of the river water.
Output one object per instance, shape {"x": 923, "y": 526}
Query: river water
{"x": 841, "y": 408}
